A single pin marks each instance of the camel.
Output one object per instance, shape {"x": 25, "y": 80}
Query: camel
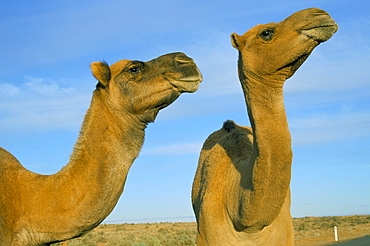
{"x": 43, "y": 209}
{"x": 241, "y": 189}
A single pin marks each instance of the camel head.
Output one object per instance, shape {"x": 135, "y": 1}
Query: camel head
{"x": 143, "y": 88}
{"x": 275, "y": 51}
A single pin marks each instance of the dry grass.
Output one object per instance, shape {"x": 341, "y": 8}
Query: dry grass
{"x": 310, "y": 231}
{"x": 315, "y": 231}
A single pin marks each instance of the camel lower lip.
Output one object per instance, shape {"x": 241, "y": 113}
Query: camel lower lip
{"x": 322, "y": 32}
{"x": 186, "y": 85}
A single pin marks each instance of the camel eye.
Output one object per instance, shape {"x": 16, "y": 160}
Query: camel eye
{"x": 134, "y": 69}
{"x": 267, "y": 34}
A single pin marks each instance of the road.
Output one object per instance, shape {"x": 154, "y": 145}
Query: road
{"x": 363, "y": 241}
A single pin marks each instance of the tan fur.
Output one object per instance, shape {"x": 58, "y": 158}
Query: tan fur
{"x": 241, "y": 190}
{"x": 41, "y": 209}
{"x": 101, "y": 72}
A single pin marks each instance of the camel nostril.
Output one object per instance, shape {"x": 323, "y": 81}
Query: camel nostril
{"x": 316, "y": 12}
{"x": 182, "y": 59}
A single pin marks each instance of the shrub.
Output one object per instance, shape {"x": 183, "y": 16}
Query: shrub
{"x": 148, "y": 241}
{"x": 301, "y": 227}
{"x": 120, "y": 242}
{"x": 163, "y": 231}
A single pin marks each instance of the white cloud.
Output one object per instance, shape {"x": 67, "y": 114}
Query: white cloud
{"x": 41, "y": 104}
{"x": 45, "y": 87}
{"x": 8, "y": 89}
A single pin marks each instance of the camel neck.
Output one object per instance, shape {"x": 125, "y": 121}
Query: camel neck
{"x": 271, "y": 154}
{"x": 266, "y": 111}
{"x": 108, "y": 144}
{"x": 106, "y": 131}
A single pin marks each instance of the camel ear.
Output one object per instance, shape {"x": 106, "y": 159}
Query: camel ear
{"x": 237, "y": 41}
{"x": 101, "y": 72}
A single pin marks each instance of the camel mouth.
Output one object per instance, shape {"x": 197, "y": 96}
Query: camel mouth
{"x": 296, "y": 63}
{"x": 187, "y": 84}
{"x": 322, "y": 32}
{"x": 188, "y": 81}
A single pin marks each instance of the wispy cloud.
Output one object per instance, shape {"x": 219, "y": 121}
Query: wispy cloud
{"x": 326, "y": 128}
{"x": 41, "y": 104}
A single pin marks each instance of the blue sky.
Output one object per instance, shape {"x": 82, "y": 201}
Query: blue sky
{"x": 46, "y": 87}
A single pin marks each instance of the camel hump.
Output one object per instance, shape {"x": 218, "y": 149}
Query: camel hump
{"x": 7, "y": 160}
{"x": 229, "y": 125}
